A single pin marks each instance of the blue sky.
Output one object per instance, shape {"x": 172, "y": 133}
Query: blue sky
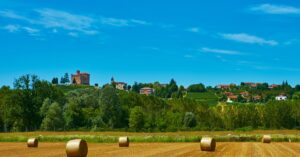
{"x": 145, "y": 41}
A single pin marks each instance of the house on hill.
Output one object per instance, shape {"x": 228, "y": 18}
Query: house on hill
{"x": 273, "y": 86}
{"x": 245, "y": 94}
{"x": 120, "y": 85}
{"x": 257, "y": 98}
{"x": 146, "y": 91}
{"x": 223, "y": 86}
{"x": 251, "y": 84}
{"x": 226, "y": 86}
{"x": 80, "y": 78}
{"x": 228, "y": 93}
{"x": 231, "y": 98}
{"x": 281, "y": 97}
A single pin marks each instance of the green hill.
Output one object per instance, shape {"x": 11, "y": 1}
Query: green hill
{"x": 68, "y": 88}
{"x": 206, "y": 97}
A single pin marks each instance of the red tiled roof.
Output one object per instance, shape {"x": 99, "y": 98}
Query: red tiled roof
{"x": 232, "y": 97}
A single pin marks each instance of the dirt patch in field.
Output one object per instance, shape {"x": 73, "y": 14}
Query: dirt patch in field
{"x": 228, "y": 149}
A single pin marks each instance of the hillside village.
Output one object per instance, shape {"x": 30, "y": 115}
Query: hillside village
{"x": 72, "y": 103}
{"x": 245, "y": 92}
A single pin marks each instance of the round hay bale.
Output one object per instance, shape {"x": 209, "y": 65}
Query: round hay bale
{"x": 32, "y": 142}
{"x": 77, "y": 148}
{"x": 208, "y": 144}
{"x": 266, "y": 139}
{"x": 123, "y": 141}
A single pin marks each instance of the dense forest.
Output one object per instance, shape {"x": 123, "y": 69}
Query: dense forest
{"x": 34, "y": 104}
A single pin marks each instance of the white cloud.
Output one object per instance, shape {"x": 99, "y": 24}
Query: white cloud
{"x": 122, "y": 22}
{"x": 193, "y": 29}
{"x": 220, "y": 51}
{"x": 12, "y": 28}
{"x": 50, "y": 18}
{"x": 114, "y": 22}
{"x": 276, "y": 9}
{"x": 15, "y": 28}
{"x": 31, "y": 31}
{"x": 14, "y": 15}
{"x": 140, "y": 22}
{"x": 73, "y": 34}
{"x": 250, "y": 39}
{"x": 53, "y": 19}
{"x": 60, "y": 19}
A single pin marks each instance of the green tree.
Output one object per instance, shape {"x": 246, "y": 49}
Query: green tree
{"x": 189, "y": 120}
{"x": 172, "y": 87}
{"x": 27, "y": 107}
{"x": 196, "y": 88}
{"x": 296, "y": 96}
{"x": 54, "y": 80}
{"x": 110, "y": 107}
{"x": 62, "y": 80}
{"x": 72, "y": 115}
{"x": 5, "y": 94}
{"x": 66, "y": 78}
{"x": 45, "y": 107}
{"x": 136, "y": 118}
{"x": 53, "y": 119}
{"x": 297, "y": 87}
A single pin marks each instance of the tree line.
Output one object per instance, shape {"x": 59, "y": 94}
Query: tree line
{"x": 35, "y": 104}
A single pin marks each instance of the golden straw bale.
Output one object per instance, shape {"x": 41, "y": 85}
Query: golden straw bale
{"x": 123, "y": 141}
{"x": 77, "y": 148}
{"x": 32, "y": 142}
{"x": 266, "y": 139}
{"x": 208, "y": 144}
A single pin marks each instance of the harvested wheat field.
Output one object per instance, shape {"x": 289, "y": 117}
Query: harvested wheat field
{"x": 225, "y": 149}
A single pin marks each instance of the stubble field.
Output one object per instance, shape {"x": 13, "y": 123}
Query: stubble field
{"x": 223, "y": 149}
{"x": 285, "y": 143}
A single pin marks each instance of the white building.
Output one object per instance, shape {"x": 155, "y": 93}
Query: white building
{"x": 120, "y": 85}
{"x": 281, "y": 98}
{"x": 229, "y": 100}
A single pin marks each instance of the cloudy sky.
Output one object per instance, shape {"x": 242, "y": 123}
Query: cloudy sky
{"x": 145, "y": 41}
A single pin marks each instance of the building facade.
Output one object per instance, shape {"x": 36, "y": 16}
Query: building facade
{"x": 146, "y": 91}
{"x": 120, "y": 85}
{"x": 281, "y": 98}
{"x": 81, "y": 78}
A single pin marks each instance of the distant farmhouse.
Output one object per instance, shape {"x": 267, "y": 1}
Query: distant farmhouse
{"x": 81, "y": 78}
{"x": 146, "y": 91}
{"x": 226, "y": 86}
{"x": 273, "y": 86}
{"x": 120, "y": 85}
{"x": 281, "y": 97}
{"x": 231, "y": 98}
{"x": 251, "y": 84}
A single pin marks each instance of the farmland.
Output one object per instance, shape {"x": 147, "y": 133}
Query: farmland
{"x": 224, "y": 149}
{"x": 285, "y": 143}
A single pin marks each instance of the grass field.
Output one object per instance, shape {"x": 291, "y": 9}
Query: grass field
{"x": 112, "y": 137}
{"x": 227, "y": 149}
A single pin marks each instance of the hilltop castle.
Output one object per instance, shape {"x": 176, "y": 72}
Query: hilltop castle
{"x": 81, "y": 78}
